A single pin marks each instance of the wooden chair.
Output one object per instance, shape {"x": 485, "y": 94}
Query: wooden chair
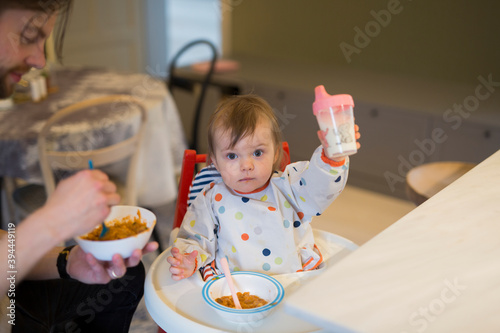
{"x": 87, "y": 131}
{"x": 104, "y": 113}
{"x": 179, "y": 82}
{"x": 425, "y": 180}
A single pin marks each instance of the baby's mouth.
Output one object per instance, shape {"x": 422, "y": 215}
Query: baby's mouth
{"x": 246, "y": 179}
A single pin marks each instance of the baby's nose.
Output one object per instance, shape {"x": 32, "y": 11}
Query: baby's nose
{"x": 247, "y": 164}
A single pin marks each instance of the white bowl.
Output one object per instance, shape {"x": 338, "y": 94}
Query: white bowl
{"x": 104, "y": 250}
{"x": 262, "y": 285}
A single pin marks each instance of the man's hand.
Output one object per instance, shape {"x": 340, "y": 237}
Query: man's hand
{"x": 85, "y": 268}
{"x": 79, "y": 203}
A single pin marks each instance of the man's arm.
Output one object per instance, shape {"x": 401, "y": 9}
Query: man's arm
{"x": 46, "y": 267}
{"x": 78, "y": 204}
{"x": 22, "y": 247}
{"x": 80, "y": 266}
{"x": 84, "y": 267}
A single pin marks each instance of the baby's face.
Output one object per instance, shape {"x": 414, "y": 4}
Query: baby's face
{"x": 249, "y": 164}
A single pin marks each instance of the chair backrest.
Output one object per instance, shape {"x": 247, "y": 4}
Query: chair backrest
{"x": 187, "y": 173}
{"x": 174, "y": 81}
{"x": 425, "y": 180}
{"x": 106, "y": 130}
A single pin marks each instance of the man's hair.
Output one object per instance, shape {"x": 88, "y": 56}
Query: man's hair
{"x": 239, "y": 116}
{"x": 63, "y": 7}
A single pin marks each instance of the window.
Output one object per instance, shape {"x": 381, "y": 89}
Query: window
{"x": 189, "y": 20}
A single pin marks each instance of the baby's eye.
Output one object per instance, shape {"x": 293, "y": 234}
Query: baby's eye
{"x": 231, "y": 156}
{"x": 258, "y": 153}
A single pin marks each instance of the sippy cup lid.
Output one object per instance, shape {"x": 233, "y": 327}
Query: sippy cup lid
{"x": 324, "y": 100}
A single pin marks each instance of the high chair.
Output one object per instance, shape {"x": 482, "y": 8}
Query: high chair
{"x": 334, "y": 247}
{"x": 189, "y": 161}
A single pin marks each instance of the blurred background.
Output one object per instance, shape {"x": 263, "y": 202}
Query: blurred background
{"x": 410, "y": 65}
{"x": 445, "y": 39}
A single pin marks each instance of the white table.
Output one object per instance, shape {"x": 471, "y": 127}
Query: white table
{"x": 178, "y": 306}
{"x": 163, "y": 143}
{"x": 437, "y": 269}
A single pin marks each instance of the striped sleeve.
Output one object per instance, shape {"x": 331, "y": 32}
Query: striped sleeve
{"x": 208, "y": 271}
{"x": 206, "y": 176}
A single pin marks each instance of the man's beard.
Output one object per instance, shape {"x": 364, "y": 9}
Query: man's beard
{"x": 6, "y": 89}
{"x": 6, "y": 84}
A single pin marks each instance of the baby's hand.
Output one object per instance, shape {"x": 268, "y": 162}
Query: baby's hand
{"x": 324, "y": 143}
{"x": 357, "y": 135}
{"x": 182, "y": 265}
{"x": 322, "y": 138}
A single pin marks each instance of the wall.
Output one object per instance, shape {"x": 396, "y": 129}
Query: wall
{"x": 106, "y": 33}
{"x": 444, "y": 40}
{"x": 406, "y": 62}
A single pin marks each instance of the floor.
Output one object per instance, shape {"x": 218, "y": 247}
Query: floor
{"x": 357, "y": 214}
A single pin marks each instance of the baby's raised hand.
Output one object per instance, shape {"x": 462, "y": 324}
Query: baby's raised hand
{"x": 324, "y": 142}
{"x": 182, "y": 265}
{"x": 357, "y": 135}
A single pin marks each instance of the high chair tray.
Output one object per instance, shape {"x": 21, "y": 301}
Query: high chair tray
{"x": 178, "y": 306}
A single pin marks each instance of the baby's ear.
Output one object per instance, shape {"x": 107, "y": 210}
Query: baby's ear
{"x": 276, "y": 155}
{"x": 211, "y": 160}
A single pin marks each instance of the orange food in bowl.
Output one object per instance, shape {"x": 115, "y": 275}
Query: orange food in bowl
{"x": 247, "y": 301}
{"x": 119, "y": 228}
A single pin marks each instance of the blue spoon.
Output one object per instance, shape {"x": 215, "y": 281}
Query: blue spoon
{"x": 104, "y": 228}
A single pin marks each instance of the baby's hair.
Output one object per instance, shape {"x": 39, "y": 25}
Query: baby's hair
{"x": 239, "y": 116}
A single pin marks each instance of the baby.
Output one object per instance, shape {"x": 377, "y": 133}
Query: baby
{"x": 256, "y": 216}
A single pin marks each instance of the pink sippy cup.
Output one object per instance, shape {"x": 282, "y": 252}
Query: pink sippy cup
{"x": 336, "y": 122}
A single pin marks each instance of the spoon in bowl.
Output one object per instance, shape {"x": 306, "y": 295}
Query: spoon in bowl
{"x": 227, "y": 274}
{"x": 104, "y": 228}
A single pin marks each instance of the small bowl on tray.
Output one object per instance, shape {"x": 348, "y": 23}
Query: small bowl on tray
{"x": 257, "y": 284}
